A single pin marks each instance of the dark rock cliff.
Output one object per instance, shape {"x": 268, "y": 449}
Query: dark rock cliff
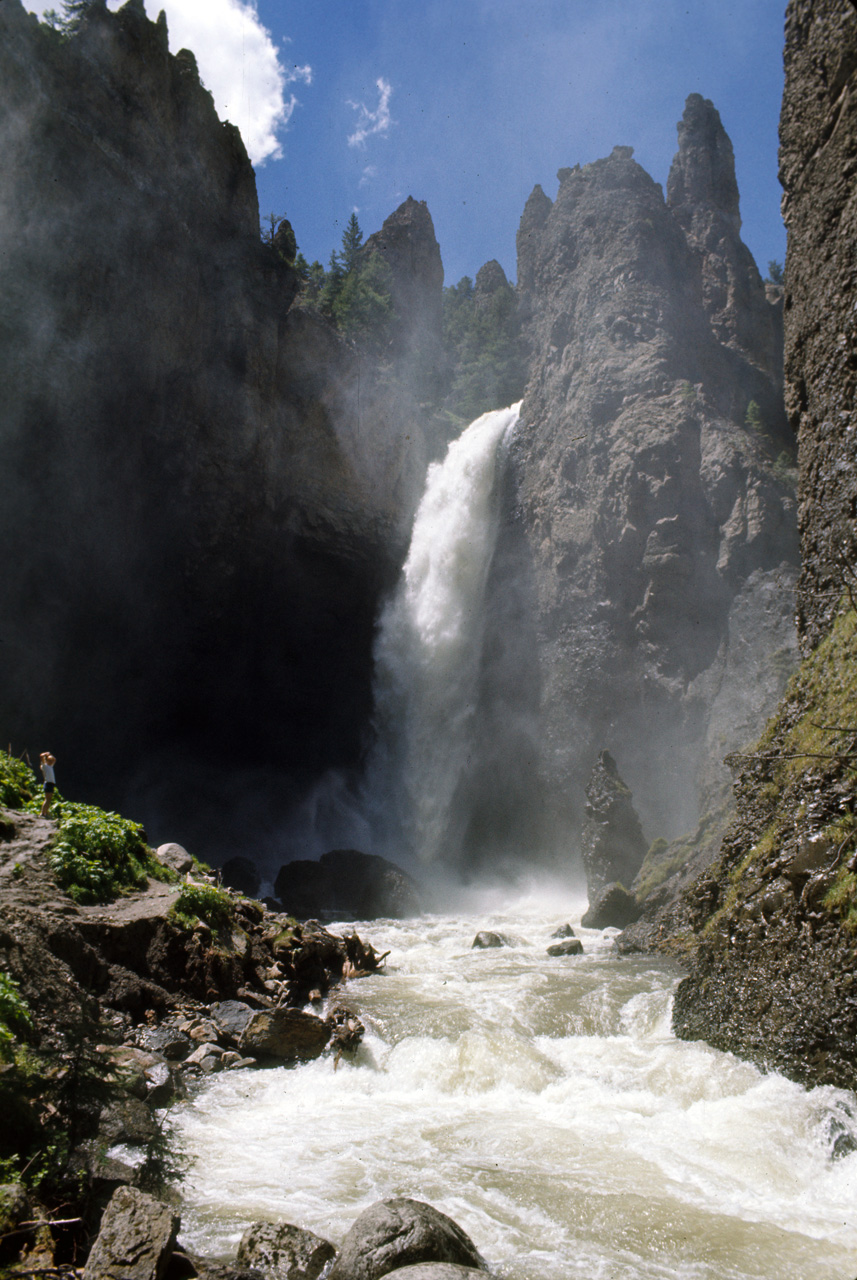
{"x": 818, "y": 162}
{"x": 654, "y": 521}
{"x": 202, "y": 492}
{"x": 772, "y": 925}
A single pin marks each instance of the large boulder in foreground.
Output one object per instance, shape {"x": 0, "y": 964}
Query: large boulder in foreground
{"x": 436, "y": 1271}
{"x": 398, "y": 1233}
{"x": 613, "y": 845}
{"x": 284, "y": 1252}
{"x": 288, "y": 1034}
{"x": 348, "y": 885}
{"x": 136, "y": 1238}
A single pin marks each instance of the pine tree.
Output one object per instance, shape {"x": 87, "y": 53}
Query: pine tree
{"x": 352, "y": 242}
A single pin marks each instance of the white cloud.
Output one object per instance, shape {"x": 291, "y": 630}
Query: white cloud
{"x": 367, "y": 175}
{"x": 369, "y": 122}
{"x": 238, "y": 61}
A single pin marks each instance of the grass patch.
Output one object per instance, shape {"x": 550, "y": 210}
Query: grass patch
{"x": 203, "y": 902}
{"x": 665, "y": 858}
{"x": 841, "y": 898}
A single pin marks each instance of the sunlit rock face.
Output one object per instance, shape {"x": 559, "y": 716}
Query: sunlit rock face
{"x": 818, "y": 155}
{"x": 202, "y": 494}
{"x": 651, "y": 481}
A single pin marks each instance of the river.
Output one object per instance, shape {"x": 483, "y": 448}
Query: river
{"x": 542, "y": 1103}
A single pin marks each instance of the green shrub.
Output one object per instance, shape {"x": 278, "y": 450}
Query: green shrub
{"x": 14, "y": 1015}
{"x": 204, "y": 902}
{"x": 96, "y": 854}
{"x": 18, "y": 785}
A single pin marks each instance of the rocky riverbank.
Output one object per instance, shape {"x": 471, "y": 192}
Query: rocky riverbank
{"x": 120, "y": 1008}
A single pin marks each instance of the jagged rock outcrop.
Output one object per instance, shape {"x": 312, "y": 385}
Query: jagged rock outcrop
{"x": 612, "y": 843}
{"x": 651, "y": 516}
{"x": 773, "y": 967}
{"x": 202, "y": 489}
{"x": 407, "y": 244}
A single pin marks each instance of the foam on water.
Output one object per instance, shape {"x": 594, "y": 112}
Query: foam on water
{"x": 545, "y": 1105}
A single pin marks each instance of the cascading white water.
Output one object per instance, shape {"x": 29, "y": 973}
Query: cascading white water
{"x": 430, "y": 644}
{"x": 545, "y": 1105}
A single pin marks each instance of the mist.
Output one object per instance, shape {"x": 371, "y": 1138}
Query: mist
{"x": 248, "y": 602}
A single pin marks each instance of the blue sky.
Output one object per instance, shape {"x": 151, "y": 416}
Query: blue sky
{"x": 486, "y": 99}
{"x": 356, "y": 104}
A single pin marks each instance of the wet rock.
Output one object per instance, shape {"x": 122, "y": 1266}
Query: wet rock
{"x": 204, "y": 1269}
{"x": 347, "y": 884}
{"x": 175, "y": 857}
{"x": 145, "y": 1075}
{"x": 207, "y": 1057}
{"x": 613, "y": 908}
{"x": 127, "y": 1120}
{"x": 284, "y": 1252}
{"x": 168, "y": 1041}
{"x": 346, "y": 1030}
{"x": 243, "y": 875}
{"x": 230, "y": 1018}
{"x": 398, "y": 1233}
{"x": 563, "y": 931}
{"x": 568, "y": 947}
{"x": 485, "y": 939}
{"x": 135, "y": 1240}
{"x": 203, "y": 1032}
{"x": 288, "y": 1034}
{"x": 436, "y": 1271}
{"x": 613, "y": 846}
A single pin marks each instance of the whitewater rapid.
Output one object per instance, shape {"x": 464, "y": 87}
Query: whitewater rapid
{"x": 545, "y": 1105}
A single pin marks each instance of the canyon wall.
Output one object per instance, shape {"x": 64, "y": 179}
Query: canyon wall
{"x": 651, "y": 511}
{"x": 774, "y": 962}
{"x": 202, "y": 492}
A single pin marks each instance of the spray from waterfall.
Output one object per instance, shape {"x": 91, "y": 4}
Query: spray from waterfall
{"x": 429, "y": 649}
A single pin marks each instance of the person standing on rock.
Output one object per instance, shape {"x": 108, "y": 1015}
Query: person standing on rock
{"x": 46, "y": 763}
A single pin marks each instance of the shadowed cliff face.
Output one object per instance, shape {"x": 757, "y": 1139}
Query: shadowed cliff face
{"x": 817, "y": 164}
{"x": 202, "y": 494}
{"x": 648, "y": 495}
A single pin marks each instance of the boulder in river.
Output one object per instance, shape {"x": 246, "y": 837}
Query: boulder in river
{"x": 396, "y": 1233}
{"x": 436, "y": 1271}
{"x": 614, "y": 907}
{"x": 563, "y": 931}
{"x": 288, "y": 1034}
{"x": 136, "y": 1238}
{"x": 346, "y": 884}
{"x": 567, "y": 947}
{"x": 485, "y": 939}
{"x": 284, "y": 1252}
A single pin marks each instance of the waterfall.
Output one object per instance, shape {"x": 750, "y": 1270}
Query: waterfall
{"x": 429, "y": 647}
